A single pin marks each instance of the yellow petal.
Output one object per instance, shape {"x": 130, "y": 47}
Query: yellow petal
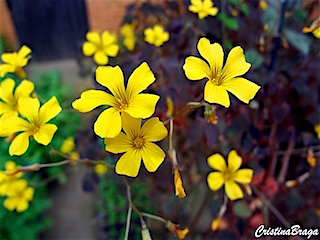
{"x": 243, "y": 175}
{"x": 139, "y": 80}
{"x": 234, "y": 161}
{"x": 153, "y": 130}
{"x": 142, "y": 105}
{"x": 213, "y": 53}
{"x": 216, "y": 94}
{"x": 19, "y": 144}
{"x": 193, "y": 8}
{"x": 197, "y": 3}
{"x": 45, "y": 134}
{"x": 129, "y": 163}
{"x": 108, "y": 38}
{"x": 131, "y": 125}
{"x": 24, "y": 89}
{"x": 29, "y": 107}
{"x": 6, "y": 90}
{"x": 119, "y": 144}
{"x": 241, "y": 88}
{"x": 9, "y": 58}
{"x": 22, "y": 205}
{"x": 14, "y": 124}
{"x": 233, "y": 190}
{"x": 179, "y": 189}
{"x": 216, "y": 161}
{"x": 236, "y": 64}
{"x": 196, "y": 69}
{"x": 89, "y": 49}
{"x": 22, "y": 56}
{"x": 108, "y": 124}
{"x": 215, "y": 180}
{"x": 24, "y": 51}
{"x": 94, "y": 38}
{"x": 152, "y": 156}
{"x": 112, "y": 78}
{"x": 100, "y": 58}
{"x": 28, "y": 193}
{"x": 112, "y": 50}
{"x": 49, "y": 110}
{"x": 91, "y": 99}
{"x": 10, "y": 203}
{"x": 213, "y": 11}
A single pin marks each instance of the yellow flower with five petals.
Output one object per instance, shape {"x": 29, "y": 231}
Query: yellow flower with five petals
{"x": 137, "y": 143}
{"x": 9, "y": 104}
{"x": 36, "y": 125}
{"x": 19, "y": 196}
{"x": 204, "y": 8}
{"x": 221, "y": 80}
{"x": 130, "y": 100}
{"x": 101, "y": 46}
{"x": 14, "y": 62}
{"x": 228, "y": 175}
{"x": 156, "y": 35}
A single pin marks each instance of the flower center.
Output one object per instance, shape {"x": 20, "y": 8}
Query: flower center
{"x": 122, "y": 104}
{"x": 227, "y": 176}
{"x": 138, "y": 143}
{"x": 216, "y": 79}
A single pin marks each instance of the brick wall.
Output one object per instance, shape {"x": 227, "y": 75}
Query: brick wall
{"x": 7, "y": 28}
{"x": 106, "y": 14}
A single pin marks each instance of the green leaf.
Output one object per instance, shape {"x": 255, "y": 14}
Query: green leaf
{"x": 229, "y": 22}
{"x": 254, "y": 57}
{"x": 245, "y": 9}
{"x": 241, "y": 209}
{"x": 298, "y": 40}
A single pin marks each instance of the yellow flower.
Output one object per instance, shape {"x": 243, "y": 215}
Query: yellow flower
{"x": 127, "y": 30}
{"x": 156, "y": 35}
{"x": 203, "y": 8}
{"x": 130, "y": 100}
{"x": 36, "y": 125}
{"x": 137, "y": 143}
{"x": 100, "y": 168}
{"x": 228, "y": 175}
{"x": 9, "y": 104}
{"x": 180, "y": 193}
{"x": 100, "y": 47}
{"x": 14, "y": 62}
{"x": 67, "y": 145}
{"x": 8, "y": 177}
{"x": 19, "y": 196}
{"x": 221, "y": 80}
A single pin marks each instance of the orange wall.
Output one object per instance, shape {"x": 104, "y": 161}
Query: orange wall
{"x": 7, "y": 28}
{"x": 106, "y": 14}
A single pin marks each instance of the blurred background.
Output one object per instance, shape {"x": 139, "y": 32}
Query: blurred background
{"x": 276, "y": 134}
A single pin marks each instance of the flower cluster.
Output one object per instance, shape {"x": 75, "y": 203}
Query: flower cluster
{"x": 20, "y": 112}
{"x": 15, "y": 189}
{"x": 126, "y": 109}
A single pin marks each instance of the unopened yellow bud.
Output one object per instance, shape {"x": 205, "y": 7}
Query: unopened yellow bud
{"x": 100, "y": 168}
{"x": 218, "y": 224}
{"x": 180, "y": 193}
{"x": 291, "y": 183}
{"x": 170, "y": 107}
{"x": 182, "y": 233}
{"x": 145, "y": 233}
{"x": 210, "y": 114}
